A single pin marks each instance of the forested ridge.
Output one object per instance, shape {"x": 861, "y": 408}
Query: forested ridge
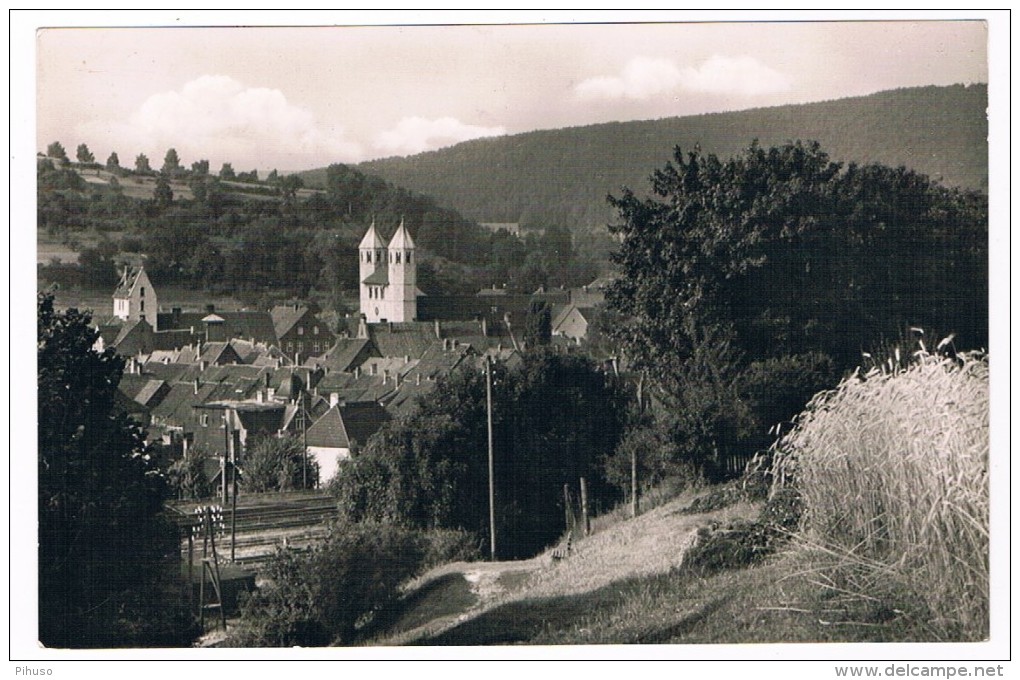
{"x": 563, "y": 176}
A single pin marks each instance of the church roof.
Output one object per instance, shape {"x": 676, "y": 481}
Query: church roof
{"x": 402, "y": 238}
{"x": 380, "y": 277}
{"x": 372, "y": 239}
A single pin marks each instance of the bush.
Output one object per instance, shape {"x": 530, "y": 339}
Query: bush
{"x": 892, "y": 467}
{"x": 278, "y": 464}
{"x": 327, "y": 595}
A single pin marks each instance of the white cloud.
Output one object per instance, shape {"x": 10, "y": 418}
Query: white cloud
{"x": 644, "y": 77}
{"x": 220, "y": 118}
{"x": 414, "y": 135}
{"x": 734, "y": 75}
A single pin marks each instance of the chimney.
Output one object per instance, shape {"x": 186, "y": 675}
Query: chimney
{"x": 270, "y": 393}
{"x": 334, "y": 399}
{"x": 259, "y": 396}
{"x": 385, "y": 376}
{"x": 499, "y": 346}
{"x": 407, "y": 358}
{"x": 198, "y": 384}
{"x": 362, "y": 328}
{"x": 485, "y": 327}
{"x": 202, "y": 365}
{"x": 439, "y": 334}
{"x": 417, "y": 378}
{"x": 357, "y": 372}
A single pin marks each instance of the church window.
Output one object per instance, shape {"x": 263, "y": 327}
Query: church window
{"x": 398, "y": 257}
{"x": 143, "y": 291}
{"x": 142, "y": 305}
{"x": 408, "y": 258}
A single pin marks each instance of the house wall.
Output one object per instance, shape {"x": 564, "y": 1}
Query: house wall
{"x": 328, "y": 459}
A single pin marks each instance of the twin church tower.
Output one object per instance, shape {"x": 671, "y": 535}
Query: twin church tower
{"x": 389, "y": 290}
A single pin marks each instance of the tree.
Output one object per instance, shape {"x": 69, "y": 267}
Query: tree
{"x": 162, "y": 195}
{"x": 330, "y": 594}
{"x": 102, "y": 542}
{"x": 171, "y": 163}
{"x": 778, "y": 265}
{"x": 554, "y": 419}
{"x": 56, "y": 150}
{"x": 538, "y": 324}
{"x": 113, "y": 162}
{"x": 278, "y": 464}
{"x": 227, "y": 172}
{"x": 200, "y": 168}
{"x": 142, "y": 166}
{"x": 84, "y": 155}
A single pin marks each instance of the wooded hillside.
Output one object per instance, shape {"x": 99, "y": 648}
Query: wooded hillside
{"x": 562, "y": 176}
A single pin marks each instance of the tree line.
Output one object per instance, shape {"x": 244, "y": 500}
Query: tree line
{"x": 230, "y": 241}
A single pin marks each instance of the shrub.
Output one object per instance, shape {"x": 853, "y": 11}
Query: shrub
{"x": 278, "y": 464}
{"x": 892, "y": 468}
{"x": 327, "y": 595}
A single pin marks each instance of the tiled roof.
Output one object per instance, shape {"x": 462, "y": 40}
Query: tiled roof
{"x": 409, "y": 339}
{"x": 380, "y": 277}
{"x": 345, "y": 355}
{"x": 127, "y": 282}
{"x": 285, "y": 316}
{"x": 342, "y": 425}
{"x": 328, "y": 431}
{"x": 245, "y": 324}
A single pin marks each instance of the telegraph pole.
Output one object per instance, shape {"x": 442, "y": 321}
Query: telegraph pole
{"x": 492, "y": 486}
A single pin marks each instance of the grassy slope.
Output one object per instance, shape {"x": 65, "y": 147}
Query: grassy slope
{"x": 622, "y": 585}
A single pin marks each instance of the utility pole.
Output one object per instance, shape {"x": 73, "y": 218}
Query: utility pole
{"x": 492, "y": 486}
{"x": 634, "y": 509}
{"x": 304, "y": 443}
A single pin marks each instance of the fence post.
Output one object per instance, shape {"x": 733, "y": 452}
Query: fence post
{"x": 566, "y": 505}
{"x": 584, "y": 507}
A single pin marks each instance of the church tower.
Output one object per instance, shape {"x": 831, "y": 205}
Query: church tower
{"x": 388, "y": 273}
{"x": 403, "y": 287}
{"x": 372, "y": 272}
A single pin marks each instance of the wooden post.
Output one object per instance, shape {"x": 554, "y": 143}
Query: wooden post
{"x": 566, "y": 505}
{"x": 233, "y": 500}
{"x": 634, "y": 509}
{"x": 492, "y": 483}
{"x": 223, "y": 459}
{"x": 584, "y": 507}
{"x": 191, "y": 562}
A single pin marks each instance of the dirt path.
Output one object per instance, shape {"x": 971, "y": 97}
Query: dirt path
{"x": 652, "y": 544}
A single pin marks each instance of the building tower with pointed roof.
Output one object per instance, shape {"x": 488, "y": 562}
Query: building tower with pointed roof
{"x": 388, "y": 275}
{"x": 135, "y": 298}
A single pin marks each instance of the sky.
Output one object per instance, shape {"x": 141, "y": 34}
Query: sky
{"x": 295, "y": 98}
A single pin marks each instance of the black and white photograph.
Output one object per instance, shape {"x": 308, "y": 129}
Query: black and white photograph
{"x": 649, "y": 335}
